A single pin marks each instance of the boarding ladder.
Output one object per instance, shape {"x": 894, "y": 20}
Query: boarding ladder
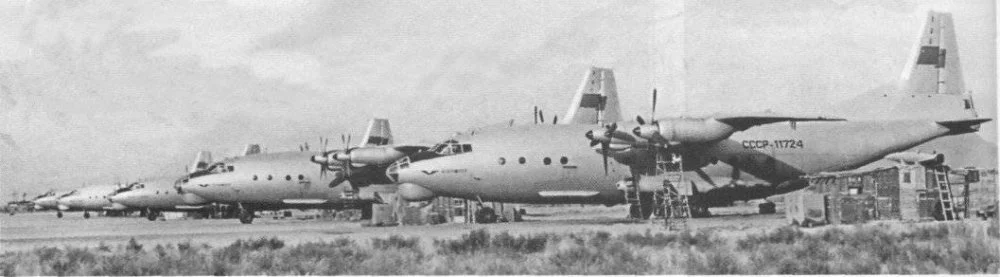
{"x": 673, "y": 198}
{"x": 944, "y": 193}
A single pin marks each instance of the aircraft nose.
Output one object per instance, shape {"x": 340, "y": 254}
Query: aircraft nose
{"x": 420, "y": 173}
{"x": 201, "y": 189}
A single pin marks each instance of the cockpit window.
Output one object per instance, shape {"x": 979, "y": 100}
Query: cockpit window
{"x": 219, "y": 167}
{"x": 451, "y": 147}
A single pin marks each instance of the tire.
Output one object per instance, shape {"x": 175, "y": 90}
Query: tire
{"x": 59, "y": 214}
{"x": 766, "y": 208}
{"x": 246, "y": 217}
{"x": 366, "y": 212}
{"x": 152, "y": 215}
{"x": 486, "y": 215}
{"x": 86, "y": 214}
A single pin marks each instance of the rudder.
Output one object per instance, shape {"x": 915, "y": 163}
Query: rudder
{"x": 596, "y": 101}
{"x": 378, "y": 133}
{"x": 934, "y": 67}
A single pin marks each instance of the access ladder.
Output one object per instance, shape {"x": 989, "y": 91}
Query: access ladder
{"x": 944, "y": 193}
{"x": 673, "y": 197}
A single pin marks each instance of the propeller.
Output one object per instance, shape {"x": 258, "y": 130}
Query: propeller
{"x": 704, "y": 176}
{"x": 604, "y": 141}
{"x": 536, "y": 115}
{"x": 323, "y": 159}
{"x": 648, "y": 131}
{"x": 541, "y": 116}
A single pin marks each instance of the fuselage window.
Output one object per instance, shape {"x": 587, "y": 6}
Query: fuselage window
{"x": 502, "y": 161}
{"x": 521, "y": 160}
{"x": 269, "y": 177}
{"x": 301, "y": 177}
{"x": 564, "y": 160}
{"x": 288, "y": 177}
{"x": 546, "y": 161}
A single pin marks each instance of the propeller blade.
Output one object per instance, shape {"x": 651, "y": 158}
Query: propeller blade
{"x": 343, "y": 139}
{"x": 555, "y": 118}
{"x": 652, "y": 114}
{"x": 541, "y": 116}
{"x": 604, "y": 154}
{"x": 704, "y": 176}
{"x": 638, "y": 118}
{"x": 536, "y": 115}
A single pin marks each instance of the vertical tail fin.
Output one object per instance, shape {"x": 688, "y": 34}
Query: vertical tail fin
{"x": 596, "y": 101}
{"x": 201, "y": 161}
{"x": 378, "y": 133}
{"x": 934, "y": 67}
{"x": 251, "y": 149}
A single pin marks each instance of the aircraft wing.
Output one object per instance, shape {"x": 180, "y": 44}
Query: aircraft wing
{"x": 744, "y": 121}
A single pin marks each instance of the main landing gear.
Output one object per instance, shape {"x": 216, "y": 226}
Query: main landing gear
{"x": 245, "y": 214}
{"x": 366, "y": 212}
{"x": 152, "y": 214}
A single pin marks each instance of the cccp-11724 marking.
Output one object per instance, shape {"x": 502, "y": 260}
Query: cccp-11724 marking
{"x": 778, "y": 143}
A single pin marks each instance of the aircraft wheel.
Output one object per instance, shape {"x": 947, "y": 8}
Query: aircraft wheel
{"x": 646, "y": 199}
{"x": 366, "y": 212}
{"x": 486, "y": 215}
{"x": 86, "y": 214}
{"x": 766, "y": 208}
{"x": 246, "y": 216}
{"x": 152, "y": 215}
{"x": 59, "y": 214}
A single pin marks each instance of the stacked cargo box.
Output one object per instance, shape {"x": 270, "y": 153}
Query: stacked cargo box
{"x": 905, "y": 192}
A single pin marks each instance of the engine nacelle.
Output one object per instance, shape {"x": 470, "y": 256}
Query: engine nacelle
{"x": 371, "y": 155}
{"x": 690, "y": 130}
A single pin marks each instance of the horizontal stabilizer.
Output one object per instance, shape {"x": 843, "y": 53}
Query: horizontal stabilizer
{"x": 744, "y": 121}
{"x": 964, "y": 125}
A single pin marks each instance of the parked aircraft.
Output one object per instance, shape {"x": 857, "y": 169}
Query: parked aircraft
{"x": 91, "y": 198}
{"x": 592, "y": 159}
{"x": 156, "y": 195}
{"x": 291, "y": 180}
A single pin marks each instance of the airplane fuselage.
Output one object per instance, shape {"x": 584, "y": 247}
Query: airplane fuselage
{"x": 556, "y": 164}
{"x": 158, "y": 194}
{"x": 275, "y": 181}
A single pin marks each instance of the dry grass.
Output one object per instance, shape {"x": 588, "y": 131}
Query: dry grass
{"x": 960, "y": 247}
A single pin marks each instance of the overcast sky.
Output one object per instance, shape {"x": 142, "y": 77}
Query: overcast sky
{"x": 99, "y": 91}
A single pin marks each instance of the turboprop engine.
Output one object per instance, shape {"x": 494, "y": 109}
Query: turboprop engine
{"x": 369, "y": 155}
{"x": 683, "y": 130}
